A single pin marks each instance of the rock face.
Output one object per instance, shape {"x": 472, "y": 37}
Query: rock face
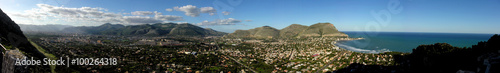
{"x": 158, "y": 29}
{"x": 292, "y": 31}
{"x": 11, "y": 35}
{"x": 9, "y": 29}
{"x": 9, "y": 61}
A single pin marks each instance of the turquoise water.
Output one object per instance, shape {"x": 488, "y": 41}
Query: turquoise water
{"x": 376, "y": 42}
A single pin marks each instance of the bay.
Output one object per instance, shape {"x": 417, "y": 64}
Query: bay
{"x": 377, "y": 42}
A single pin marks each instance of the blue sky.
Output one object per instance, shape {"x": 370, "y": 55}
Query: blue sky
{"x": 449, "y": 16}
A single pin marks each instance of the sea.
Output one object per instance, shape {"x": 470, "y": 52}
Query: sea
{"x": 379, "y": 42}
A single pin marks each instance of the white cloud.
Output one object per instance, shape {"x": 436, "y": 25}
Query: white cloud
{"x": 248, "y": 20}
{"x": 158, "y": 13}
{"x": 169, "y": 10}
{"x": 207, "y": 10}
{"x": 111, "y": 15}
{"x": 226, "y": 13}
{"x": 189, "y": 10}
{"x": 107, "y": 20}
{"x": 142, "y": 13}
{"x": 168, "y": 17}
{"x": 140, "y": 19}
{"x": 30, "y": 15}
{"x": 93, "y": 15}
{"x": 33, "y": 13}
{"x": 182, "y": 22}
{"x": 193, "y": 11}
{"x": 75, "y": 12}
{"x": 229, "y": 21}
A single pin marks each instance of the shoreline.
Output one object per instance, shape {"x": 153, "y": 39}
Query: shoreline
{"x": 354, "y": 49}
{"x": 346, "y": 39}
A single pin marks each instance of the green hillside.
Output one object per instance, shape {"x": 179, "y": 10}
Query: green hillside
{"x": 157, "y": 29}
{"x": 292, "y": 31}
{"x": 322, "y": 30}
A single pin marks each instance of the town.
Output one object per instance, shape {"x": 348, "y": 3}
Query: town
{"x": 207, "y": 54}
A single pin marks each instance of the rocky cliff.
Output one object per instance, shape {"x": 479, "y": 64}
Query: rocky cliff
{"x": 11, "y": 35}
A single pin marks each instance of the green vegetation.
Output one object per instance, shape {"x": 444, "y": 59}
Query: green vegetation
{"x": 320, "y": 30}
{"x": 48, "y": 55}
{"x": 259, "y": 33}
{"x": 263, "y": 67}
{"x": 292, "y": 31}
{"x": 158, "y": 29}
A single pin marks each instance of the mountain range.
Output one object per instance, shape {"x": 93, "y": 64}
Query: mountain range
{"x": 43, "y": 28}
{"x": 157, "y": 29}
{"x": 292, "y": 31}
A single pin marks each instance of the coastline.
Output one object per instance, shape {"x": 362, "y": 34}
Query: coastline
{"x": 346, "y": 39}
{"x": 354, "y": 49}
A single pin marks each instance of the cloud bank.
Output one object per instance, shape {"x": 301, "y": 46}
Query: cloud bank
{"x": 194, "y": 11}
{"x": 142, "y": 13}
{"x": 95, "y": 14}
{"x": 229, "y": 21}
{"x": 226, "y": 13}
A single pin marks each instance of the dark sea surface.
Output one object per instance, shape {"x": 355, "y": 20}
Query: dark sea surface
{"x": 376, "y": 42}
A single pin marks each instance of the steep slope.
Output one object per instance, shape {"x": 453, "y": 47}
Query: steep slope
{"x": 267, "y": 32}
{"x": 187, "y": 29}
{"x": 240, "y": 33}
{"x": 158, "y": 29}
{"x": 322, "y": 30}
{"x": 102, "y": 29}
{"x": 11, "y": 35}
{"x": 214, "y": 32}
{"x": 292, "y": 30}
{"x": 260, "y": 32}
{"x": 132, "y": 30}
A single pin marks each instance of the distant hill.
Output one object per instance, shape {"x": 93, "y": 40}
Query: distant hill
{"x": 157, "y": 29}
{"x": 43, "y": 28}
{"x": 260, "y": 32}
{"x": 292, "y": 31}
{"x": 322, "y": 30}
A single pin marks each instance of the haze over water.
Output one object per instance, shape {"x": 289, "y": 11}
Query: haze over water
{"x": 406, "y": 41}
